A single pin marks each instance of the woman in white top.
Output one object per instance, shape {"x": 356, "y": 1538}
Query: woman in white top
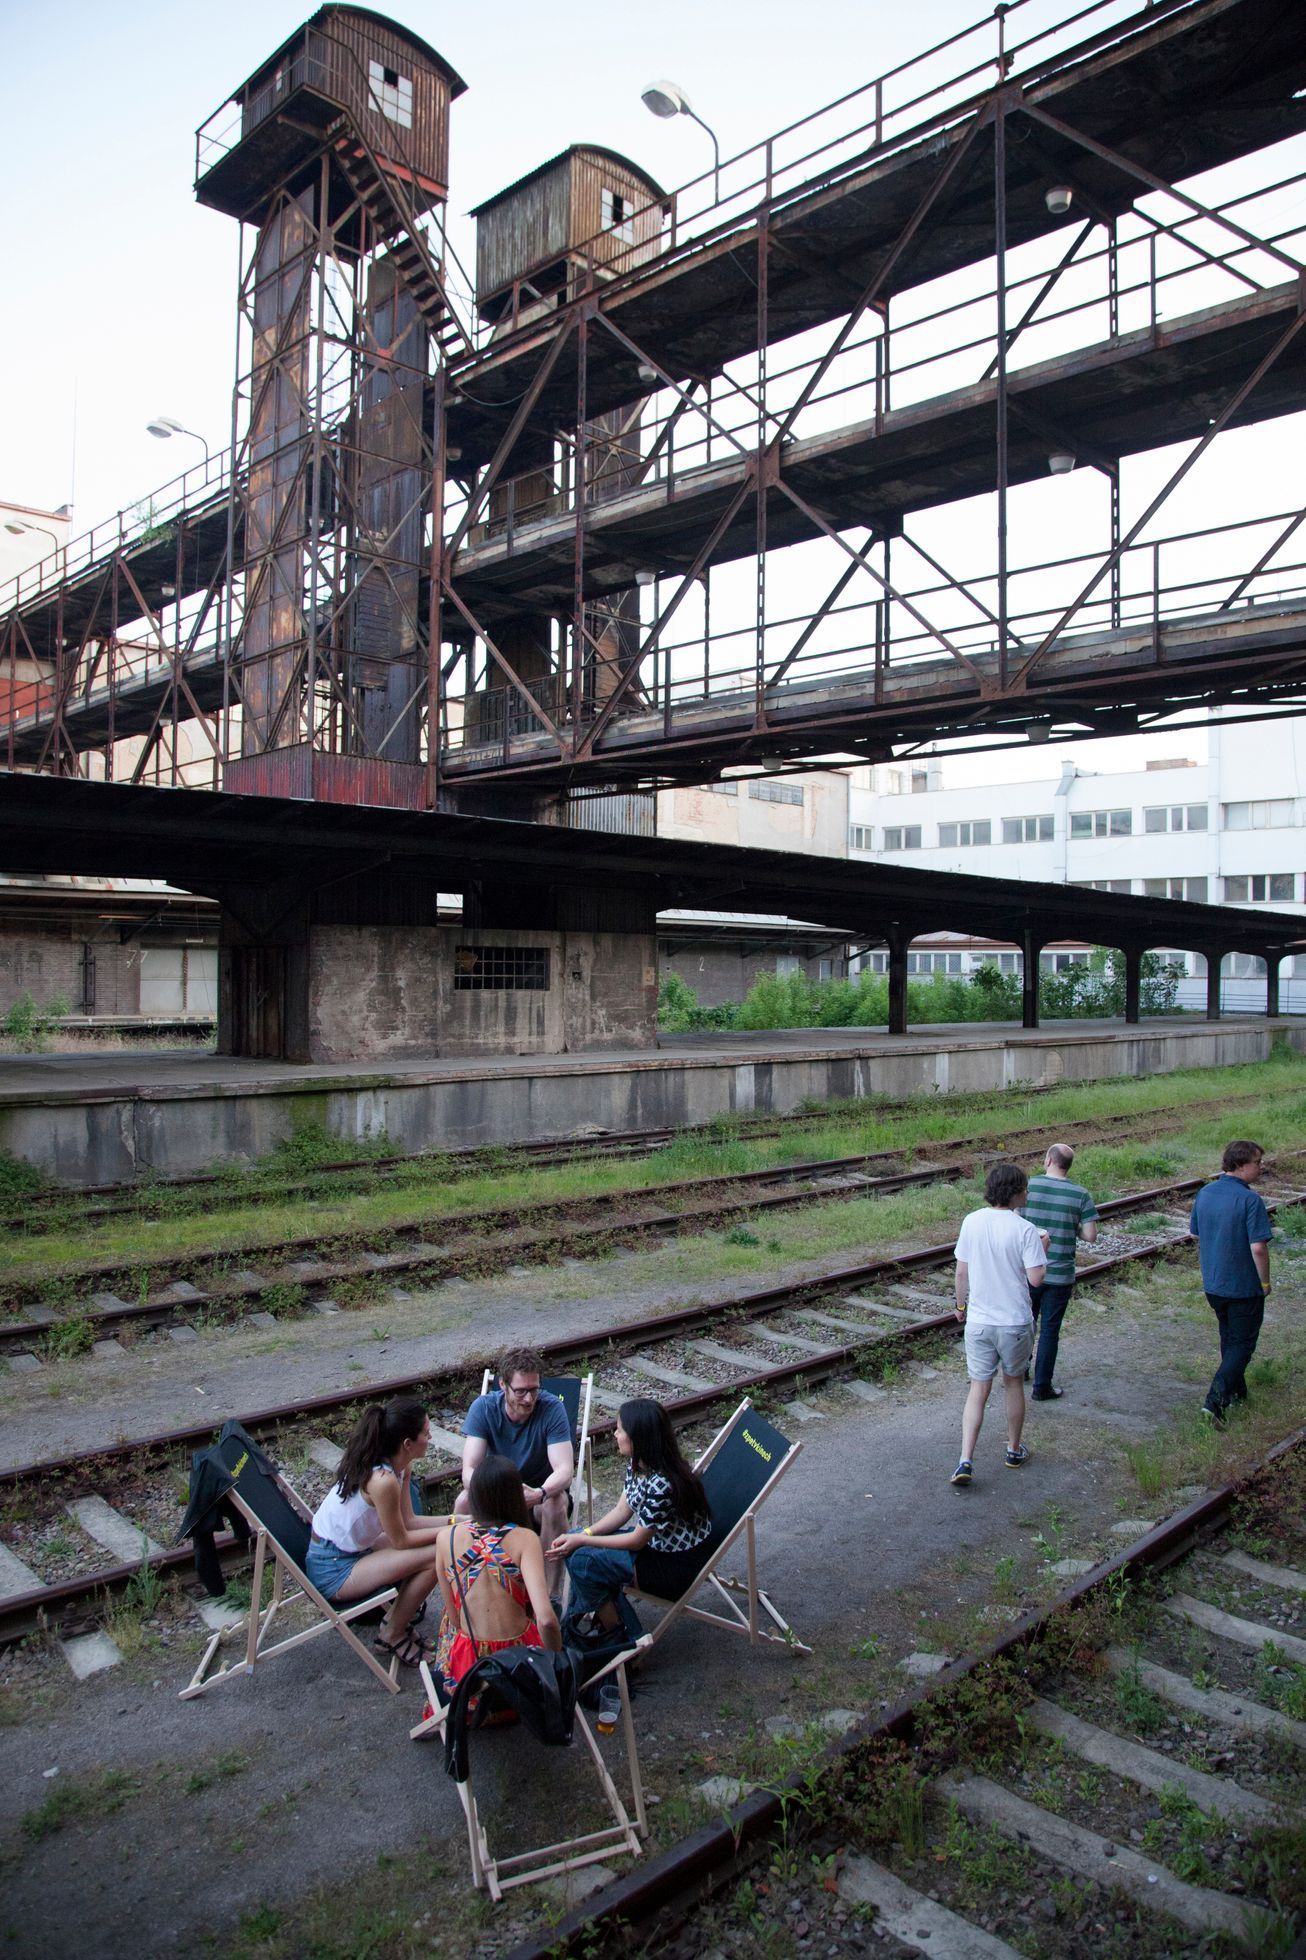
{"x": 366, "y": 1535}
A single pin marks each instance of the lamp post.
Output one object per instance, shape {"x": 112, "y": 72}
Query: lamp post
{"x": 165, "y": 426}
{"x": 18, "y": 529}
{"x": 667, "y": 99}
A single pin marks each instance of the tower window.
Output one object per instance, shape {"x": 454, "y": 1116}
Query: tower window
{"x": 391, "y": 93}
{"x": 618, "y": 215}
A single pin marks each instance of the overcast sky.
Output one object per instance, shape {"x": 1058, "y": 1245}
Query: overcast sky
{"x": 121, "y": 288}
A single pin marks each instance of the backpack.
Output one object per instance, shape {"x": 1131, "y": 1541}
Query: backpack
{"x": 538, "y": 1686}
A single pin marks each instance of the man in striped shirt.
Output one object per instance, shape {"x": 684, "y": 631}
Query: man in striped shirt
{"x": 1065, "y": 1213}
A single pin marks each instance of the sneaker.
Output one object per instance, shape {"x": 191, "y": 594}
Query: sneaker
{"x": 1017, "y": 1456}
{"x": 1046, "y": 1394}
{"x": 962, "y": 1473}
{"x": 1214, "y": 1416}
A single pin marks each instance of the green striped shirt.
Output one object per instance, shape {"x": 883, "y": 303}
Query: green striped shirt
{"x": 1058, "y": 1207}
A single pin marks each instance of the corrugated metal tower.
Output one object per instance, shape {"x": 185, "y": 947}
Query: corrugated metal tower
{"x": 334, "y": 157}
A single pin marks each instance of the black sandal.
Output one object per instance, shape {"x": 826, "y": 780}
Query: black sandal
{"x": 408, "y": 1650}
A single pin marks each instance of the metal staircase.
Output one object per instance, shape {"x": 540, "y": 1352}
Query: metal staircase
{"x": 380, "y": 193}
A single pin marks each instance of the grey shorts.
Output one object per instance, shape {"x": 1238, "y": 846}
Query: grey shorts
{"x": 990, "y": 1348}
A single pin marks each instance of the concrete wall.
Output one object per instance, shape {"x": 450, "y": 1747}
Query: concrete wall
{"x": 378, "y": 991}
{"x": 717, "y": 974}
{"x": 87, "y": 1137}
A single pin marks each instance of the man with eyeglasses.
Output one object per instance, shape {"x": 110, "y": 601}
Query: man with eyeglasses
{"x": 523, "y": 1421}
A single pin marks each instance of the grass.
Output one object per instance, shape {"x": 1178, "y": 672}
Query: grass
{"x": 432, "y": 1194}
{"x": 88, "y": 1797}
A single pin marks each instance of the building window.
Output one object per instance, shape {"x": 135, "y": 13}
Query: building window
{"x": 825, "y": 969}
{"x": 1277, "y": 887}
{"x": 920, "y": 780}
{"x": 391, "y": 93}
{"x": 879, "y": 962}
{"x": 1101, "y": 823}
{"x": 933, "y": 963}
{"x": 618, "y": 215}
{"x": 1010, "y": 963}
{"x": 1193, "y": 889}
{"x": 1271, "y": 815}
{"x": 861, "y": 837}
{"x": 764, "y": 792}
{"x": 786, "y": 963}
{"x": 1027, "y": 830}
{"x": 1061, "y": 962}
{"x": 903, "y": 837}
{"x": 1175, "y": 816}
{"x": 501, "y": 969}
{"x": 721, "y": 789}
{"x": 951, "y": 835}
{"x": 1121, "y": 886}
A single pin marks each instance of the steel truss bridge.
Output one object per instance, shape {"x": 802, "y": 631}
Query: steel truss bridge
{"x": 875, "y": 314}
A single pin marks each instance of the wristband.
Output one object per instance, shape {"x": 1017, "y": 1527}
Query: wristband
{"x": 588, "y": 1532}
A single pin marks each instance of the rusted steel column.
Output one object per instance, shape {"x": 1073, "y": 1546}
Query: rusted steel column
{"x": 1133, "y": 985}
{"x": 1031, "y": 945}
{"x": 1213, "y": 962}
{"x": 1272, "y": 983}
{"x": 898, "y": 943}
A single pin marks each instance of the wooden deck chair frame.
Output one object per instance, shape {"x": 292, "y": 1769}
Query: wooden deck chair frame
{"x": 746, "y": 1619}
{"x": 584, "y": 1442}
{"x": 258, "y": 1623}
{"x": 500, "y": 1875}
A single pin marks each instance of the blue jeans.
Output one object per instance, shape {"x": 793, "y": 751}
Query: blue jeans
{"x": 1240, "y": 1328}
{"x": 1048, "y": 1304}
{"x": 598, "y": 1573}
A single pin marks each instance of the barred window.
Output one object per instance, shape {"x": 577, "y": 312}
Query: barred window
{"x": 764, "y": 792}
{"x": 501, "y": 969}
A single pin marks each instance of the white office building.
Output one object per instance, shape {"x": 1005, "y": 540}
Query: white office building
{"x": 1224, "y": 830}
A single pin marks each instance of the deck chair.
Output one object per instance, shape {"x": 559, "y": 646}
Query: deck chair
{"x": 247, "y": 1479}
{"x": 576, "y": 1393}
{"x": 499, "y": 1875}
{"x": 740, "y": 1468}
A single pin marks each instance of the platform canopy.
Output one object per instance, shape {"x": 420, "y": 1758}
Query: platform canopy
{"x": 211, "y": 842}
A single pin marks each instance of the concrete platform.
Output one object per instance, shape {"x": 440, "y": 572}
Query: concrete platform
{"x": 96, "y": 1119}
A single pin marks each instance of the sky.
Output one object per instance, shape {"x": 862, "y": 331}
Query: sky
{"x": 122, "y": 288}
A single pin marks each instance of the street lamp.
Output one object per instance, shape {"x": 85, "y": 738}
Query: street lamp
{"x": 164, "y": 426}
{"x": 667, "y": 99}
{"x": 12, "y": 524}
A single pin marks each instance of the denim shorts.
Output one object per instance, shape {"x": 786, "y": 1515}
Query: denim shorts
{"x": 990, "y": 1348}
{"x": 328, "y": 1567}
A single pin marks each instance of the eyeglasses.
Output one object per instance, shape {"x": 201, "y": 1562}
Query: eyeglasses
{"x": 523, "y": 1393}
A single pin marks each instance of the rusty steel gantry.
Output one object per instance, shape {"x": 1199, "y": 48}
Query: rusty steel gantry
{"x": 996, "y": 257}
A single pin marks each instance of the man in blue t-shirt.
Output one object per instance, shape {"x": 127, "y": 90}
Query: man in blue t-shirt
{"x": 521, "y": 1420}
{"x": 1232, "y": 1229}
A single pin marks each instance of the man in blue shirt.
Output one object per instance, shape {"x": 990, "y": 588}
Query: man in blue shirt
{"x": 1232, "y": 1229}
{"x": 521, "y": 1420}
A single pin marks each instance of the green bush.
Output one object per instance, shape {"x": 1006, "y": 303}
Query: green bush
{"x": 26, "y": 1025}
{"x": 791, "y": 1000}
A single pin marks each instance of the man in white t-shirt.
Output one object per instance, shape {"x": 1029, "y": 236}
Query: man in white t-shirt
{"x": 1000, "y": 1255}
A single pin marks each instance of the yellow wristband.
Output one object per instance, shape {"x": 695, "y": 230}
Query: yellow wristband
{"x": 588, "y": 1531}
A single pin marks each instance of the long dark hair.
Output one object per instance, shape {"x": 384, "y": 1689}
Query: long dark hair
{"x": 379, "y": 1434}
{"x": 496, "y": 1493}
{"x": 653, "y": 1447}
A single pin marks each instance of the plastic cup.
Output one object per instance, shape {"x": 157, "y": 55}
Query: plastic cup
{"x": 609, "y": 1709}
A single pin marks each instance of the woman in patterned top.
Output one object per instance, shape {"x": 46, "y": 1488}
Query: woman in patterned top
{"x": 492, "y": 1576}
{"x": 655, "y": 1536}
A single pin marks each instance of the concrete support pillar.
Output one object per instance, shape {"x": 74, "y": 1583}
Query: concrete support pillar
{"x": 898, "y": 943}
{"x": 1272, "y": 983}
{"x": 1133, "y": 985}
{"x": 1031, "y": 945}
{"x": 1214, "y": 961}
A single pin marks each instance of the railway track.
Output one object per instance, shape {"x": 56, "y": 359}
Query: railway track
{"x": 64, "y": 1205}
{"x": 307, "y": 1271}
{"x": 1122, "y": 1770}
{"x": 770, "y": 1341}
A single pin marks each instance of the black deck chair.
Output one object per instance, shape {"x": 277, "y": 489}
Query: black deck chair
{"x": 241, "y": 1476}
{"x": 551, "y": 1713}
{"x": 740, "y": 1468}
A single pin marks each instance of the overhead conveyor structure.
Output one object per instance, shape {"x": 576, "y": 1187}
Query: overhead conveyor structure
{"x": 656, "y": 510}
